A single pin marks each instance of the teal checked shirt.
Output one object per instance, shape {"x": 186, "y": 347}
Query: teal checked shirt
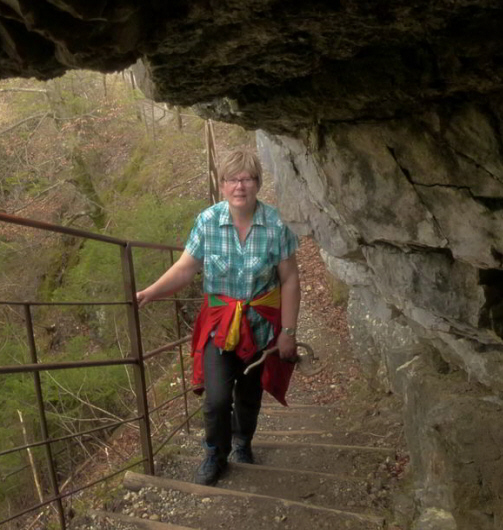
{"x": 242, "y": 271}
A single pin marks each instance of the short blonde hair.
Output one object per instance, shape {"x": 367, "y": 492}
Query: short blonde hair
{"x": 238, "y": 161}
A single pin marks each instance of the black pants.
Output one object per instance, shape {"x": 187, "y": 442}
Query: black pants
{"x": 232, "y": 402}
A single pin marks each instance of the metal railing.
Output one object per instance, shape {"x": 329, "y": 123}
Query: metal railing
{"x": 136, "y": 359}
{"x": 212, "y": 161}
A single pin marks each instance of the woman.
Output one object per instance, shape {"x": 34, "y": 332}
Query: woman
{"x": 252, "y": 298}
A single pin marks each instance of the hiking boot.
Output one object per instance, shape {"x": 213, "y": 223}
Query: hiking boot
{"x": 241, "y": 453}
{"x": 210, "y": 469}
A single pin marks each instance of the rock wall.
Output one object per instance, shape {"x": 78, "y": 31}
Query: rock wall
{"x": 408, "y": 212}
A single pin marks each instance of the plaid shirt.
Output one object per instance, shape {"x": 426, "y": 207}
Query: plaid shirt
{"x": 242, "y": 271}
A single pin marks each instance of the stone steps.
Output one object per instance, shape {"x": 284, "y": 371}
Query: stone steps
{"x": 313, "y": 487}
{"x": 307, "y": 453}
{"x": 304, "y": 477}
{"x": 253, "y": 511}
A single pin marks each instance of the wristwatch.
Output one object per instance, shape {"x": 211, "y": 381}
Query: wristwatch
{"x": 289, "y": 331}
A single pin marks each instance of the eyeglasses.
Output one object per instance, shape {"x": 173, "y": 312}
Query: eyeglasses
{"x": 247, "y": 181}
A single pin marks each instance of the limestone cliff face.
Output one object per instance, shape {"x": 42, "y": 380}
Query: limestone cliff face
{"x": 383, "y": 126}
{"x": 412, "y": 220}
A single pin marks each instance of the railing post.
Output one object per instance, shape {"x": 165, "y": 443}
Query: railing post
{"x": 180, "y": 353}
{"x": 43, "y": 419}
{"x": 211, "y": 159}
{"x": 137, "y": 353}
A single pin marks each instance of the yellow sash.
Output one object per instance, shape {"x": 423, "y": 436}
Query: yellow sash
{"x": 269, "y": 299}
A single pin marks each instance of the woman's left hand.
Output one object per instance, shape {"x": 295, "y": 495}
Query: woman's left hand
{"x": 287, "y": 347}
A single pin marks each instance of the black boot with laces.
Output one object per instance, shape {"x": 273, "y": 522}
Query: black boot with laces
{"x": 241, "y": 453}
{"x": 211, "y": 468}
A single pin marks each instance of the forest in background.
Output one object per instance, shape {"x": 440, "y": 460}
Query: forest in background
{"x": 88, "y": 151}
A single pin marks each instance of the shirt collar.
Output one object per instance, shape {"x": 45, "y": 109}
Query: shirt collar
{"x": 258, "y": 216}
{"x": 225, "y": 215}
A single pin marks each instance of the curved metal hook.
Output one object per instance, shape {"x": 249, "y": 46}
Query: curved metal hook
{"x": 304, "y": 362}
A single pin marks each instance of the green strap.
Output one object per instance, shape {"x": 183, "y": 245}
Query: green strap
{"x": 214, "y": 301}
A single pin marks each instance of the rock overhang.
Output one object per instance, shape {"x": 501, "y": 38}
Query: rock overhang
{"x": 273, "y": 64}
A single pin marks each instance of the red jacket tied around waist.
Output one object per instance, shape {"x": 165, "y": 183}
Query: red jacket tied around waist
{"x": 226, "y": 317}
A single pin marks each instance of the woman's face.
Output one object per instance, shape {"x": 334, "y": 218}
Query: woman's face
{"x": 241, "y": 190}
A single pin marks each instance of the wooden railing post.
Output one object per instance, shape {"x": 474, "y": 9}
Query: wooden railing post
{"x": 137, "y": 352}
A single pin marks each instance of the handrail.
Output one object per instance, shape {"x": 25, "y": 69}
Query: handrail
{"x": 154, "y": 246}
{"x": 42, "y": 225}
{"x": 23, "y": 368}
{"x": 9, "y": 302}
{"x": 136, "y": 359}
{"x": 176, "y": 429}
{"x": 68, "y": 436}
{"x": 165, "y": 348}
{"x": 181, "y": 394}
{"x": 26, "y": 368}
{"x": 15, "y": 302}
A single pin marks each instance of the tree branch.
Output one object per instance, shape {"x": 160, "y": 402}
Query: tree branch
{"x": 179, "y": 185}
{"x": 37, "y": 90}
{"x": 35, "y": 116}
{"x": 30, "y": 137}
{"x": 84, "y": 402}
{"x": 43, "y": 192}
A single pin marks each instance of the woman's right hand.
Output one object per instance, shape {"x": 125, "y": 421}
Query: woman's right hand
{"x": 174, "y": 279}
{"x": 143, "y": 298}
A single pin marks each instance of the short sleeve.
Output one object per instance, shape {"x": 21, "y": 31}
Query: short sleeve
{"x": 195, "y": 241}
{"x": 288, "y": 243}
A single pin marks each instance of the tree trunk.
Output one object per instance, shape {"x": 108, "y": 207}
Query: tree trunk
{"x": 83, "y": 181}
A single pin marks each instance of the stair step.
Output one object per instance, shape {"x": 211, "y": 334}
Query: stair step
{"x": 304, "y": 435}
{"x": 132, "y": 522}
{"x": 338, "y": 447}
{"x": 296, "y": 418}
{"x": 297, "y": 409}
{"x": 315, "y": 488}
{"x": 328, "y": 421}
{"x": 323, "y": 436}
{"x": 257, "y": 467}
{"x": 357, "y": 461}
{"x": 291, "y": 433}
{"x": 274, "y": 405}
{"x": 256, "y": 511}
{"x": 338, "y": 459}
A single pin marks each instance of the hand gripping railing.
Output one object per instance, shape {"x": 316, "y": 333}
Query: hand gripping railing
{"x": 136, "y": 359}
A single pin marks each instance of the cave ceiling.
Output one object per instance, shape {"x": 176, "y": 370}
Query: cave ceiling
{"x": 280, "y": 65}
